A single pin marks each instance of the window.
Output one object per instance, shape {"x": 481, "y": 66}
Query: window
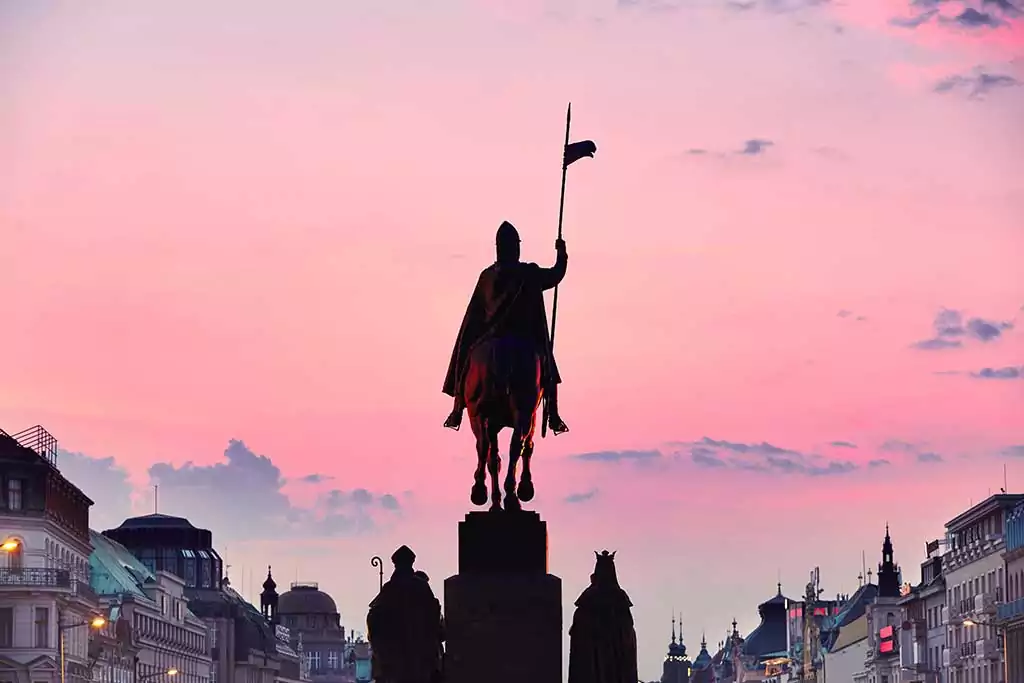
{"x": 332, "y": 660}
{"x": 14, "y": 501}
{"x": 213, "y": 674}
{"x": 6, "y": 627}
{"x": 42, "y": 627}
{"x": 14, "y": 557}
{"x": 314, "y": 661}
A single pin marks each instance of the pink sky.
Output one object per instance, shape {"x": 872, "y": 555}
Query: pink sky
{"x": 215, "y": 223}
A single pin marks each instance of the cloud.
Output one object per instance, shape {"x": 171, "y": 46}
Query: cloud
{"x": 843, "y": 313}
{"x": 104, "y": 482}
{"x": 914, "y": 21}
{"x": 755, "y": 146}
{"x": 843, "y": 444}
{"x": 315, "y": 478}
{"x": 1013, "y": 451}
{"x": 929, "y": 456}
{"x": 762, "y": 457}
{"x": 243, "y": 497}
{"x": 575, "y": 498}
{"x": 1008, "y": 372}
{"x": 950, "y": 329}
{"x": 975, "y": 85}
{"x": 878, "y": 462}
{"x": 960, "y": 14}
{"x": 618, "y": 456}
{"x": 917, "y": 451}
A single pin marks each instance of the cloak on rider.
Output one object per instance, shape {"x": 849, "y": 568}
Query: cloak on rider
{"x": 509, "y": 300}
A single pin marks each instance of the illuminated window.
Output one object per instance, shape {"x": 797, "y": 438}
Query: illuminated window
{"x": 332, "y": 660}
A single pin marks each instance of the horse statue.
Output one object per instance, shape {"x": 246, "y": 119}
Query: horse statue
{"x": 502, "y": 367}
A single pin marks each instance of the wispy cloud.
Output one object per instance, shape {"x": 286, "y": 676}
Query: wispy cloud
{"x": 755, "y": 146}
{"x": 576, "y": 498}
{"x": 843, "y": 444}
{"x": 618, "y": 456}
{"x": 878, "y": 462}
{"x": 1008, "y": 372}
{"x": 761, "y": 457}
{"x": 976, "y": 85}
{"x": 950, "y": 331}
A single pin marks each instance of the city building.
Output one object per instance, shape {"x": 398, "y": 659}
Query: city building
{"x": 1010, "y": 611}
{"x": 923, "y": 633}
{"x": 151, "y": 629}
{"x": 805, "y": 622}
{"x": 244, "y": 644}
{"x": 45, "y": 597}
{"x": 764, "y": 654}
{"x": 312, "y": 617}
{"x": 884, "y": 621}
{"x": 974, "y": 568}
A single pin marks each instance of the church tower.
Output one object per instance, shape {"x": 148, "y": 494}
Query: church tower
{"x": 676, "y": 668}
{"x": 888, "y": 571}
{"x": 268, "y": 599}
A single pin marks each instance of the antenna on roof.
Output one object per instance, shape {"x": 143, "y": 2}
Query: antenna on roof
{"x": 156, "y": 499}
{"x": 1006, "y": 487}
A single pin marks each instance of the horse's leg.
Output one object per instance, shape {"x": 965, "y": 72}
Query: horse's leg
{"x": 529, "y": 427}
{"x": 494, "y": 466}
{"x": 515, "y": 450}
{"x": 478, "y": 496}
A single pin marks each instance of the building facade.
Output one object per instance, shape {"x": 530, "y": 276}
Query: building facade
{"x": 974, "y": 569}
{"x": 923, "y": 634}
{"x": 45, "y": 596}
{"x": 150, "y": 630}
{"x": 1010, "y": 611}
{"x": 312, "y": 617}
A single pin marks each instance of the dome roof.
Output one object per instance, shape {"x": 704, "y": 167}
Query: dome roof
{"x": 156, "y": 521}
{"x": 306, "y": 598}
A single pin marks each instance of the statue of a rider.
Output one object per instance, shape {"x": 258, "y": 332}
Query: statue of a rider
{"x": 508, "y": 301}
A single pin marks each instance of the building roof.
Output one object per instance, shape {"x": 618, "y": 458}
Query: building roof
{"x": 771, "y": 634}
{"x": 851, "y": 634}
{"x": 156, "y": 520}
{"x": 703, "y": 659}
{"x": 114, "y": 570}
{"x": 306, "y": 598}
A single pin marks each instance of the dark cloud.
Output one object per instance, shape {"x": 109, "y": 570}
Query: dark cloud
{"x": 843, "y": 444}
{"x": 618, "y": 456}
{"x": 762, "y": 457}
{"x": 914, "y": 21}
{"x": 755, "y": 146}
{"x": 1008, "y": 372}
{"x": 575, "y": 498}
{"x": 104, "y": 482}
{"x": 897, "y": 446}
{"x": 878, "y": 462}
{"x": 1013, "y": 451}
{"x": 950, "y": 329}
{"x": 389, "y": 502}
{"x": 315, "y": 478}
{"x": 972, "y": 18}
{"x": 975, "y": 85}
{"x": 242, "y": 497}
{"x": 929, "y": 456}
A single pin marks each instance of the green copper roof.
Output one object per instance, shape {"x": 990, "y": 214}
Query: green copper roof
{"x": 115, "y": 571}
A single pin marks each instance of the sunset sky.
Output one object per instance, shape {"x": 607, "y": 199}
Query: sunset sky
{"x": 237, "y": 240}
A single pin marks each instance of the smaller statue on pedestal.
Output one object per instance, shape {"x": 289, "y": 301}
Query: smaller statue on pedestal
{"x": 602, "y": 640}
{"x": 404, "y": 626}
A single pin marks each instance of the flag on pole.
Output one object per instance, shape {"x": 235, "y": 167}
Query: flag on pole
{"x": 577, "y": 150}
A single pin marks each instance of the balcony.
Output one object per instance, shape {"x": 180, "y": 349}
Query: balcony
{"x": 952, "y": 657}
{"x": 35, "y": 578}
{"x": 1008, "y": 611}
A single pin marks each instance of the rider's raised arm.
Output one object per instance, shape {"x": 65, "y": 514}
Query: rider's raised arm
{"x": 550, "y": 277}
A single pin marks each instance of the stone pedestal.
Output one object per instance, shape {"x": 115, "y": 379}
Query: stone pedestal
{"x": 503, "y": 611}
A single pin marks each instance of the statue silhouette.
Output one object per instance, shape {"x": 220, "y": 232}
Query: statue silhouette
{"x": 404, "y": 626}
{"x": 602, "y": 640}
{"x": 502, "y": 365}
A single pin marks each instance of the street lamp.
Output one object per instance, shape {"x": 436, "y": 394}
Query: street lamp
{"x": 10, "y": 545}
{"x": 1000, "y": 629}
{"x": 96, "y": 623}
{"x": 169, "y": 672}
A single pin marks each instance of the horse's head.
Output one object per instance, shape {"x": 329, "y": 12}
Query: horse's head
{"x": 604, "y": 569}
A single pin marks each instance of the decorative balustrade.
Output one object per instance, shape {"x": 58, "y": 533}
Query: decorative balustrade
{"x": 1006, "y": 611}
{"x": 34, "y": 577}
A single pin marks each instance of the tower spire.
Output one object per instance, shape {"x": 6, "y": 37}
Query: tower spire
{"x": 888, "y": 572}
{"x": 673, "y": 627}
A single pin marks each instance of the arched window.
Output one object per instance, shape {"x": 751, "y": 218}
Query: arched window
{"x": 16, "y": 556}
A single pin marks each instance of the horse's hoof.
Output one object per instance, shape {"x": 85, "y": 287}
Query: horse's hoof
{"x": 525, "y": 491}
{"x": 512, "y": 503}
{"x": 479, "y": 495}
{"x": 496, "y": 506}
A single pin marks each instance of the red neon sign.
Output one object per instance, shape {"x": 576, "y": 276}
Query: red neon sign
{"x": 885, "y": 632}
{"x": 886, "y": 646}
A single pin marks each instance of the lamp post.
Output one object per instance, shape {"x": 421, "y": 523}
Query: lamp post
{"x": 1006, "y": 651}
{"x": 169, "y": 672}
{"x": 96, "y": 623}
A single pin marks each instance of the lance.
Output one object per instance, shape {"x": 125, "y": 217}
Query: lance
{"x": 570, "y": 154}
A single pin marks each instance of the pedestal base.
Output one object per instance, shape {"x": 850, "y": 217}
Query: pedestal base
{"x": 503, "y": 611}
{"x": 503, "y": 628}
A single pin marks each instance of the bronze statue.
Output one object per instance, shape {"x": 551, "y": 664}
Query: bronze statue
{"x": 404, "y": 626}
{"x": 502, "y": 365}
{"x": 602, "y": 640}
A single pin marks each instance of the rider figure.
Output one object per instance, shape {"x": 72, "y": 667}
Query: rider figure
{"x": 501, "y": 304}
